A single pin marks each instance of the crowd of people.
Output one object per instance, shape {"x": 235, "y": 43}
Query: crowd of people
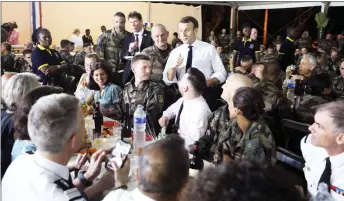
{"x": 231, "y": 106}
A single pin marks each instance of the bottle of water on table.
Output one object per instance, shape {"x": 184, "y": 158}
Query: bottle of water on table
{"x": 139, "y": 129}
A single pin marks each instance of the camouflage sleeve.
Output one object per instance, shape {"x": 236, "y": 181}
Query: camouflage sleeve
{"x": 283, "y": 107}
{"x": 78, "y": 60}
{"x": 154, "y": 105}
{"x": 206, "y": 141}
{"x": 101, "y": 46}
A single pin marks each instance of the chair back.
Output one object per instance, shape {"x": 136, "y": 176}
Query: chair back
{"x": 293, "y": 133}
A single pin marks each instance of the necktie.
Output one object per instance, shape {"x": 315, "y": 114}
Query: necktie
{"x": 326, "y": 175}
{"x": 137, "y": 41}
{"x": 189, "y": 60}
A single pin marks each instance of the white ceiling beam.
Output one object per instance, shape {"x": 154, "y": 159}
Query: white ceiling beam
{"x": 336, "y": 4}
{"x": 270, "y": 5}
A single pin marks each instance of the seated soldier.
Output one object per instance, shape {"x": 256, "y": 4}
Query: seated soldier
{"x": 338, "y": 82}
{"x": 142, "y": 91}
{"x": 7, "y": 58}
{"x": 316, "y": 93}
{"x": 80, "y": 57}
{"x": 65, "y": 51}
{"x": 245, "y": 68}
{"x": 24, "y": 64}
{"x": 240, "y": 115}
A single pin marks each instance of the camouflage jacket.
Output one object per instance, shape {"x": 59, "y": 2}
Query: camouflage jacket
{"x": 111, "y": 47}
{"x": 149, "y": 94}
{"x": 276, "y": 104}
{"x": 304, "y": 42}
{"x": 333, "y": 65}
{"x": 257, "y": 143}
{"x": 22, "y": 66}
{"x": 325, "y": 45}
{"x": 225, "y": 60}
{"x": 338, "y": 86}
{"x": 159, "y": 59}
{"x": 254, "y": 79}
{"x": 212, "y": 38}
{"x": 306, "y": 106}
{"x": 79, "y": 59}
{"x": 66, "y": 56}
{"x": 224, "y": 41}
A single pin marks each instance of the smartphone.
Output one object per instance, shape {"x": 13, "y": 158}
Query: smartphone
{"x": 121, "y": 150}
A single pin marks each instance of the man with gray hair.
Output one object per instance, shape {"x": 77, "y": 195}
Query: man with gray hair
{"x": 56, "y": 127}
{"x": 13, "y": 91}
{"x": 323, "y": 150}
{"x": 158, "y": 52}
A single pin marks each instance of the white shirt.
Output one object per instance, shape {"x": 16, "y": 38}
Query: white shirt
{"x": 32, "y": 177}
{"x": 204, "y": 57}
{"x": 140, "y": 35}
{"x": 77, "y": 40}
{"x": 193, "y": 119}
{"x": 315, "y": 158}
{"x": 124, "y": 195}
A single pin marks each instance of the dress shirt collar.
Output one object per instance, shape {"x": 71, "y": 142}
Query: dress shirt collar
{"x": 55, "y": 168}
{"x": 140, "y": 32}
{"x": 338, "y": 160}
{"x": 143, "y": 85}
{"x": 195, "y": 43}
{"x": 138, "y": 195}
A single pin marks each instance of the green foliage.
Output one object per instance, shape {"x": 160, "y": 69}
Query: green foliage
{"x": 321, "y": 20}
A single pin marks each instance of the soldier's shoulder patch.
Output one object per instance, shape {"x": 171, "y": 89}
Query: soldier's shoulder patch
{"x": 161, "y": 99}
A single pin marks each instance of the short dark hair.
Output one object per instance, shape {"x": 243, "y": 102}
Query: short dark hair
{"x": 7, "y": 46}
{"x": 21, "y": 114}
{"x": 250, "y": 102}
{"x": 246, "y": 25}
{"x": 64, "y": 43}
{"x": 71, "y": 43}
{"x": 100, "y": 65}
{"x": 272, "y": 71}
{"x": 140, "y": 57}
{"x": 246, "y": 58}
{"x": 241, "y": 181}
{"x": 318, "y": 83}
{"x": 103, "y": 28}
{"x": 87, "y": 30}
{"x": 167, "y": 172}
{"x": 188, "y": 19}
{"x": 27, "y": 51}
{"x": 135, "y": 14}
{"x": 35, "y": 34}
{"x": 119, "y": 14}
{"x": 197, "y": 79}
{"x": 175, "y": 34}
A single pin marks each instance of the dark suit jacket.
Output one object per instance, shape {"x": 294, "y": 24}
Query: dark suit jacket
{"x": 147, "y": 41}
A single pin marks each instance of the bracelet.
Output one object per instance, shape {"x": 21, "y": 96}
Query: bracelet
{"x": 124, "y": 187}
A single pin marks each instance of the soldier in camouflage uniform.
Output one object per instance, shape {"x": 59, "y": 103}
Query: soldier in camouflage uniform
{"x": 80, "y": 56}
{"x": 326, "y": 44}
{"x": 334, "y": 62}
{"x": 142, "y": 91}
{"x": 24, "y": 64}
{"x": 256, "y": 143}
{"x": 159, "y": 52}
{"x": 111, "y": 44}
{"x": 304, "y": 41}
{"x": 224, "y": 41}
{"x": 338, "y": 83}
{"x": 65, "y": 51}
{"x": 224, "y": 57}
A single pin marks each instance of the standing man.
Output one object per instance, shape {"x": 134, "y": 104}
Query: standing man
{"x": 197, "y": 54}
{"x": 254, "y": 36}
{"x": 286, "y": 54}
{"x": 224, "y": 41}
{"x": 111, "y": 43}
{"x": 246, "y": 46}
{"x": 135, "y": 42}
{"x": 158, "y": 52}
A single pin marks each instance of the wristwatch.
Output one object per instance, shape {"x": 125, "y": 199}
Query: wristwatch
{"x": 83, "y": 180}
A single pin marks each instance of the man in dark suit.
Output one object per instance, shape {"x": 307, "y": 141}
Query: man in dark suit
{"x": 135, "y": 42}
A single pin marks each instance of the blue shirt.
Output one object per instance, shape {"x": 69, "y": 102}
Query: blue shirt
{"x": 21, "y": 147}
{"x": 111, "y": 96}
{"x": 42, "y": 57}
{"x": 7, "y": 140}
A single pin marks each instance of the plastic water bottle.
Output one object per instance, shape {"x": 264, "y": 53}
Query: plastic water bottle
{"x": 291, "y": 90}
{"x": 322, "y": 194}
{"x": 139, "y": 129}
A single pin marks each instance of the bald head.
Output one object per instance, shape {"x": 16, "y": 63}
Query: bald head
{"x": 164, "y": 167}
{"x": 234, "y": 82}
{"x": 160, "y": 36}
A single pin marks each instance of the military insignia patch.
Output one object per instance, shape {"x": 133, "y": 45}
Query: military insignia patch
{"x": 161, "y": 99}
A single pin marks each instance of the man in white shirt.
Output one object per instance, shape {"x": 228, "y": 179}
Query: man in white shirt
{"x": 323, "y": 150}
{"x": 56, "y": 127}
{"x": 197, "y": 54}
{"x": 191, "y": 111}
{"x": 163, "y": 171}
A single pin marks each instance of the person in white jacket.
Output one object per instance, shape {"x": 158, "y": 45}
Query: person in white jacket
{"x": 77, "y": 39}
